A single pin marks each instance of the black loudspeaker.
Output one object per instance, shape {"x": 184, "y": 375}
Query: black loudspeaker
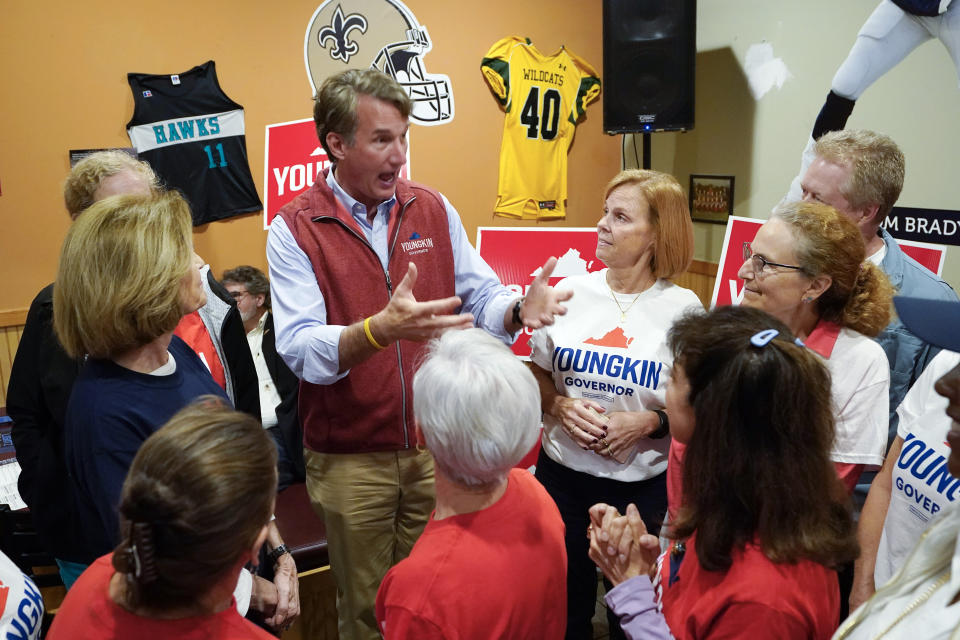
{"x": 649, "y": 57}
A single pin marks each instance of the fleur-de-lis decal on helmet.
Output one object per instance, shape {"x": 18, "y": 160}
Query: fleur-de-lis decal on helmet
{"x": 384, "y": 35}
{"x": 338, "y": 31}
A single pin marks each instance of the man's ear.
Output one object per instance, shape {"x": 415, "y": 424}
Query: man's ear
{"x": 337, "y": 145}
{"x": 260, "y": 299}
{"x": 868, "y": 215}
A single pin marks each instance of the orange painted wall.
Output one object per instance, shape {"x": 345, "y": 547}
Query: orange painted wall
{"x": 64, "y": 68}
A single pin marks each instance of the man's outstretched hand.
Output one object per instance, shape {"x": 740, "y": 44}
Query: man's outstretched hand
{"x": 542, "y": 301}
{"x": 404, "y": 318}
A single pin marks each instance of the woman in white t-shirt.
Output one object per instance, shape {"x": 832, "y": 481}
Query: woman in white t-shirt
{"x": 806, "y": 268}
{"x": 603, "y": 370}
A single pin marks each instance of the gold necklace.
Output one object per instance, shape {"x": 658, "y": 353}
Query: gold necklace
{"x": 623, "y": 312}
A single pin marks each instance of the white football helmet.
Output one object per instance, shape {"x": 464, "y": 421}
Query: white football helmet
{"x": 384, "y": 35}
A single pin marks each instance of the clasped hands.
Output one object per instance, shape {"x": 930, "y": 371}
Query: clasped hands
{"x": 278, "y": 601}
{"x": 406, "y": 318}
{"x": 610, "y": 435}
{"x": 620, "y": 544}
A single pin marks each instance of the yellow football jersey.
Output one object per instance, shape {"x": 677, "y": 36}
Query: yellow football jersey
{"x": 543, "y": 98}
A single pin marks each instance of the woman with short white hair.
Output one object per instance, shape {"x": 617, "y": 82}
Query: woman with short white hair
{"x": 477, "y": 408}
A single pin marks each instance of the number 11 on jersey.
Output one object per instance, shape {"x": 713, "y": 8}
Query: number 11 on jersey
{"x": 223, "y": 159}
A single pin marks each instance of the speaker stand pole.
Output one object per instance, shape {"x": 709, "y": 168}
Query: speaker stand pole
{"x": 646, "y": 151}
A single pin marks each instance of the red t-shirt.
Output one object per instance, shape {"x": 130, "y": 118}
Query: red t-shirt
{"x": 88, "y": 613}
{"x": 496, "y": 573}
{"x": 192, "y": 331}
{"x": 754, "y": 598}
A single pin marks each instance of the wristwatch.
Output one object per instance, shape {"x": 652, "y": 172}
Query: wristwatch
{"x": 664, "y": 427}
{"x": 276, "y": 552}
{"x": 516, "y": 311}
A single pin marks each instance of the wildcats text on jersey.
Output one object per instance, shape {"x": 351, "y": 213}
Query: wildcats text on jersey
{"x": 539, "y": 75}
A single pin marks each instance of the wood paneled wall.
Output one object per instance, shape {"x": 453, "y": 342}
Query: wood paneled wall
{"x": 11, "y": 328}
{"x": 699, "y": 278}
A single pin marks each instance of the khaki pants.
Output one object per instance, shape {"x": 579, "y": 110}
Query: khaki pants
{"x": 374, "y": 506}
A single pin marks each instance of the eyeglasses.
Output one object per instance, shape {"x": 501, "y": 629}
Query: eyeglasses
{"x": 237, "y": 295}
{"x": 759, "y": 263}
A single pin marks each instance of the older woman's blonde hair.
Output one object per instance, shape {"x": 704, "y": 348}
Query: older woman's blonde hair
{"x": 669, "y": 214}
{"x": 121, "y": 267}
{"x": 87, "y": 175}
{"x": 829, "y": 243}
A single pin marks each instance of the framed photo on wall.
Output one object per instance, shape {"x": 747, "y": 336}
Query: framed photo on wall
{"x": 711, "y": 198}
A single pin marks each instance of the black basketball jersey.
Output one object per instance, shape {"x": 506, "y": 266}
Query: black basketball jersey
{"x": 192, "y": 135}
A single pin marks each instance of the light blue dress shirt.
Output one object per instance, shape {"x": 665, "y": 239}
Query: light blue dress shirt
{"x": 309, "y": 345}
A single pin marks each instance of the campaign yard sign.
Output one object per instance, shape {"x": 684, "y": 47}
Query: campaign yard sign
{"x": 293, "y": 158}
{"x": 517, "y": 254}
{"x": 728, "y": 288}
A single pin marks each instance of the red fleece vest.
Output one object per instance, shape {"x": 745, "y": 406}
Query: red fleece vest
{"x": 371, "y": 409}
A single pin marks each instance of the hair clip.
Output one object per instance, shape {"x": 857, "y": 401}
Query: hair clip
{"x": 135, "y": 556}
{"x": 141, "y": 552}
{"x": 764, "y": 337}
{"x": 799, "y": 342}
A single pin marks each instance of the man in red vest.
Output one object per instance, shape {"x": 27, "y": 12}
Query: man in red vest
{"x": 364, "y": 267}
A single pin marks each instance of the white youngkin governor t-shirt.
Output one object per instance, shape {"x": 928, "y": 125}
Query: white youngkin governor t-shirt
{"x": 921, "y": 485}
{"x": 622, "y": 366}
{"x": 21, "y": 605}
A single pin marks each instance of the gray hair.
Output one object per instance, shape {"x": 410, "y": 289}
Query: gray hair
{"x": 477, "y": 405}
{"x": 252, "y": 279}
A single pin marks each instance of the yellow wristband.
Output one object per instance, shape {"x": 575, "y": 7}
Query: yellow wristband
{"x": 373, "y": 341}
